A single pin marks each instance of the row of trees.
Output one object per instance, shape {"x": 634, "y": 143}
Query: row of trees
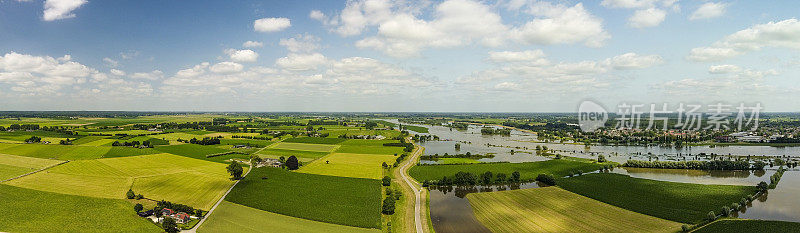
{"x": 33, "y": 139}
{"x": 697, "y": 165}
{"x": 493, "y": 131}
{"x": 145, "y": 143}
{"x": 206, "y": 141}
{"x": 465, "y": 155}
{"x": 467, "y": 178}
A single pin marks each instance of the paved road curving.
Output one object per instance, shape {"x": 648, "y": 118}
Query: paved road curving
{"x": 418, "y": 208}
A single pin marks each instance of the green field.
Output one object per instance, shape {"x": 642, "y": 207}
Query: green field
{"x": 316, "y": 140}
{"x": 681, "y": 202}
{"x": 160, "y": 176}
{"x": 339, "y": 200}
{"x": 191, "y": 150}
{"x": 26, "y": 210}
{"x": 456, "y": 161}
{"x": 552, "y": 209}
{"x": 557, "y": 167}
{"x": 368, "y": 142}
{"x": 350, "y": 165}
{"x": 87, "y": 139}
{"x": 121, "y": 151}
{"x": 337, "y": 133}
{"x": 235, "y": 218}
{"x": 384, "y": 150}
{"x": 303, "y": 156}
{"x": 12, "y": 165}
{"x": 241, "y": 141}
{"x": 304, "y": 147}
{"x": 750, "y": 226}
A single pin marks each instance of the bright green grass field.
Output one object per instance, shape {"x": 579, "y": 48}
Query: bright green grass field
{"x": 251, "y": 142}
{"x": 681, "y": 202}
{"x": 26, "y": 210}
{"x": 234, "y": 218}
{"x": 557, "y": 167}
{"x": 316, "y": 140}
{"x": 552, "y": 209}
{"x": 191, "y": 150}
{"x": 750, "y": 226}
{"x": 88, "y": 139}
{"x": 303, "y": 156}
{"x": 339, "y": 200}
{"x": 385, "y": 150}
{"x": 304, "y": 147}
{"x": 350, "y": 165}
{"x": 174, "y": 178}
{"x": 385, "y": 133}
{"x": 122, "y": 151}
{"x": 73, "y": 152}
{"x": 12, "y": 166}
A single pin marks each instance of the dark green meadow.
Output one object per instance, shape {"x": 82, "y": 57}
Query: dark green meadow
{"x": 339, "y": 200}
{"x": 681, "y": 202}
{"x": 557, "y": 167}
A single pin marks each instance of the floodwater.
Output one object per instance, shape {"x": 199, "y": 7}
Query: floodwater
{"x": 451, "y": 211}
{"x": 780, "y": 203}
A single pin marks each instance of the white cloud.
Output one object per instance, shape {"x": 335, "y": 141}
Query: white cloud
{"x": 301, "y": 62}
{"x": 117, "y": 72}
{"x": 559, "y": 24}
{"x": 782, "y": 34}
{"x": 61, "y": 9}
{"x": 244, "y": 55}
{"x": 195, "y": 71}
{"x": 252, "y": 44}
{"x": 301, "y": 43}
{"x": 723, "y": 69}
{"x": 641, "y": 4}
{"x": 709, "y": 10}
{"x": 153, "y": 75}
{"x": 633, "y": 61}
{"x": 271, "y": 24}
{"x": 317, "y": 15}
{"x": 528, "y": 56}
{"x": 647, "y": 18}
{"x": 226, "y": 67}
{"x": 110, "y": 62}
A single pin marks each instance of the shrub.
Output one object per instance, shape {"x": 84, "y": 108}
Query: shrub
{"x": 686, "y": 228}
{"x": 726, "y": 211}
{"x": 138, "y": 207}
{"x": 388, "y": 206}
{"x": 711, "y": 216}
{"x": 546, "y": 179}
{"x": 292, "y": 163}
{"x": 386, "y": 181}
{"x": 130, "y": 194}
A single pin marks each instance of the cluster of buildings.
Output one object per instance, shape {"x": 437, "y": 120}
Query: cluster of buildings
{"x": 748, "y": 137}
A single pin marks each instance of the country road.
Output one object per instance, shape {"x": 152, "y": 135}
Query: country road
{"x": 420, "y": 218}
{"x": 202, "y": 220}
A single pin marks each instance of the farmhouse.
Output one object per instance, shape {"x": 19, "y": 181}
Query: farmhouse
{"x": 268, "y": 162}
{"x": 179, "y": 217}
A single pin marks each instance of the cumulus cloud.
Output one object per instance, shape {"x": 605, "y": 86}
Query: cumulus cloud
{"x": 110, "y": 62}
{"x": 709, "y": 10}
{"x": 633, "y": 61}
{"x": 117, "y": 72}
{"x": 781, "y": 34}
{"x": 244, "y": 55}
{"x": 316, "y": 15}
{"x": 301, "y": 62}
{"x": 252, "y": 44}
{"x": 271, "y": 24}
{"x": 226, "y": 67}
{"x": 528, "y": 56}
{"x": 728, "y": 83}
{"x": 647, "y": 18}
{"x": 301, "y": 43}
{"x": 61, "y": 9}
{"x": 723, "y": 69}
{"x": 152, "y": 75}
{"x": 561, "y": 24}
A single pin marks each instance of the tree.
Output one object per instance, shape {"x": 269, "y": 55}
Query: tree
{"x": 465, "y": 178}
{"x": 138, "y": 207}
{"x": 255, "y": 159}
{"x": 386, "y": 181}
{"x": 384, "y": 165}
{"x": 601, "y": 158}
{"x": 711, "y": 216}
{"x": 292, "y": 163}
{"x": 726, "y": 211}
{"x": 763, "y": 186}
{"x": 169, "y": 225}
{"x": 130, "y": 194}
{"x": 486, "y": 177}
{"x": 546, "y": 179}
{"x": 198, "y": 213}
{"x": 139, "y": 196}
{"x": 388, "y": 206}
{"x": 515, "y": 177}
{"x": 501, "y": 177}
{"x": 236, "y": 170}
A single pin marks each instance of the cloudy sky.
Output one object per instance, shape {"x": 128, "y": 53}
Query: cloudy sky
{"x": 376, "y": 55}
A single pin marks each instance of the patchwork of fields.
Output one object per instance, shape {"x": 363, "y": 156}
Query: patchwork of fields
{"x": 350, "y": 165}
{"x": 159, "y": 176}
{"x": 12, "y": 165}
{"x": 552, "y": 209}
{"x": 234, "y": 218}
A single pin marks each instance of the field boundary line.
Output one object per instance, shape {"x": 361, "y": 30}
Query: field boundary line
{"x": 30, "y": 173}
{"x": 221, "y": 199}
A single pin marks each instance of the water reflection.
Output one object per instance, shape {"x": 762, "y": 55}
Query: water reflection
{"x": 783, "y": 204}
{"x": 451, "y": 211}
{"x": 748, "y": 178}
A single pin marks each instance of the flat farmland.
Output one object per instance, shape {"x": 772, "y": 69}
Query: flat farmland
{"x": 191, "y": 150}
{"x": 189, "y": 181}
{"x": 303, "y": 156}
{"x": 12, "y": 165}
{"x": 750, "y": 226}
{"x": 304, "y": 147}
{"x": 680, "y": 202}
{"x": 26, "y": 210}
{"x": 552, "y": 209}
{"x": 316, "y": 140}
{"x": 338, "y": 200}
{"x": 384, "y": 150}
{"x": 234, "y": 218}
{"x": 529, "y": 170}
{"x": 368, "y": 142}
{"x": 349, "y": 165}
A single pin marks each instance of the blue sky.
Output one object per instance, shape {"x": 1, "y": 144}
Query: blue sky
{"x": 373, "y": 55}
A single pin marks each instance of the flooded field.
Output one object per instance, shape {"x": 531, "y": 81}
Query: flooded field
{"x": 451, "y": 211}
{"x": 780, "y": 203}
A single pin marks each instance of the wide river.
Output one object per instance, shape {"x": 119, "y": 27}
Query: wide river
{"x": 451, "y": 212}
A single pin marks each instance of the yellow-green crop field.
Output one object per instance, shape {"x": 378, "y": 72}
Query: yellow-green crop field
{"x": 552, "y": 209}
{"x": 349, "y": 165}
{"x": 12, "y": 165}
{"x": 305, "y": 146}
{"x": 170, "y": 177}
